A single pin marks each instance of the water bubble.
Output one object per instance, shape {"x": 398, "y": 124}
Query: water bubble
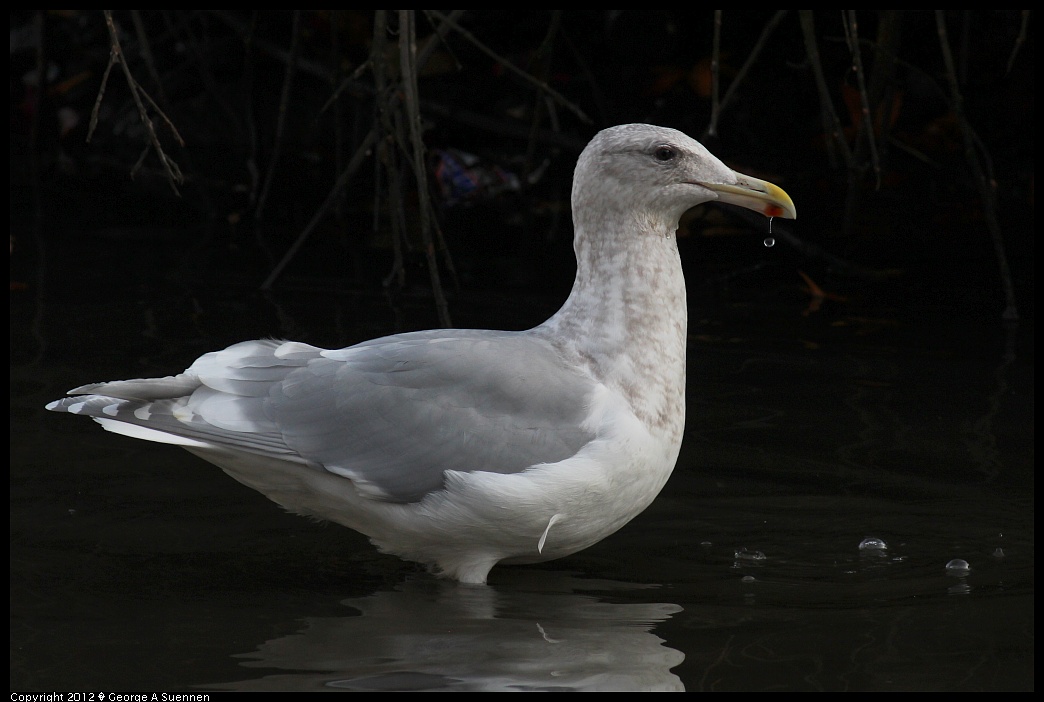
{"x": 745, "y": 555}
{"x": 769, "y": 242}
{"x": 872, "y": 543}
{"x": 958, "y": 566}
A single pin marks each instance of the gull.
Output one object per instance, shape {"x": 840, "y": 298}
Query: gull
{"x": 461, "y": 449}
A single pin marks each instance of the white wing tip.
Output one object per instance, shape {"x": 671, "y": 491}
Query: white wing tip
{"x": 138, "y": 432}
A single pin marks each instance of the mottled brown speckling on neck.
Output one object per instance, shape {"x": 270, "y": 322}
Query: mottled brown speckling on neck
{"x": 625, "y": 319}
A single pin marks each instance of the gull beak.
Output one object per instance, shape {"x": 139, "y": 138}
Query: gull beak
{"x": 755, "y": 194}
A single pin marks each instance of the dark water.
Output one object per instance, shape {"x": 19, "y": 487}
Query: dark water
{"x": 139, "y": 567}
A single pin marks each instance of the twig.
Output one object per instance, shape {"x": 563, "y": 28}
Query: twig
{"x": 386, "y": 154}
{"x": 320, "y": 70}
{"x": 815, "y": 252}
{"x": 986, "y": 191}
{"x": 383, "y": 171}
{"x": 540, "y": 85}
{"x": 781, "y": 232}
{"x": 502, "y": 127}
{"x": 145, "y": 49}
{"x": 541, "y": 103}
{"x": 1019, "y": 40}
{"x": 831, "y": 123}
{"x": 463, "y": 117}
{"x": 852, "y": 35}
{"x": 712, "y": 127}
{"x": 184, "y": 33}
{"x": 408, "y": 77}
{"x": 335, "y": 192}
{"x": 387, "y": 163}
{"x": 345, "y": 84}
{"x": 39, "y": 29}
{"x": 146, "y": 55}
{"x": 137, "y": 92}
{"x": 41, "y": 268}
{"x": 766, "y": 32}
{"x": 250, "y": 131}
{"x": 339, "y": 127}
{"x": 284, "y": 100}
{"x": 584, "y": 69}
{"x": 356, "y": 161}
{"x": 420, "y": 58}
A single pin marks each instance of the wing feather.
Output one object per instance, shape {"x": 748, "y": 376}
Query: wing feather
{"x": 392, "y": 414}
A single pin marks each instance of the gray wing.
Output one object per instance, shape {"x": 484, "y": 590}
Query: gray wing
{"x": 392, "y": 414}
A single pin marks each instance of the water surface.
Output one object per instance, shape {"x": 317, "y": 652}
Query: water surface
{"x": 139, "y": 567}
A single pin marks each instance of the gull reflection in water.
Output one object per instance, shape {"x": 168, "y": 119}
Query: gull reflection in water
{"x": 536, "y": 633}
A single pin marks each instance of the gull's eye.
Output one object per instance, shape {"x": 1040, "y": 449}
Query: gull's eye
{"x": 665, "y": 153}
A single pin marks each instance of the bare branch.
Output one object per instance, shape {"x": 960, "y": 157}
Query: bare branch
{"x": 986, "y": 187}
{"x": 1019, "y": 40}
{"x": 852, "y": 35}
{"x": 540, "y": 85}
{"x": 284, "y": 100}
{"x": 116, "y": 56}
{"x": 712, "y": 128}
{"x": 766, "y": 32}
{"x": 831, "y": 123}
{"x": 411, "y": 107}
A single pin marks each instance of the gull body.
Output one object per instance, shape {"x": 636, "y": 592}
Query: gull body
{"x": 461, "y": 449}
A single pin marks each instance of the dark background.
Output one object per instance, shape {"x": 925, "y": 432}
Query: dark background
{"x": 263, "y": 147}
